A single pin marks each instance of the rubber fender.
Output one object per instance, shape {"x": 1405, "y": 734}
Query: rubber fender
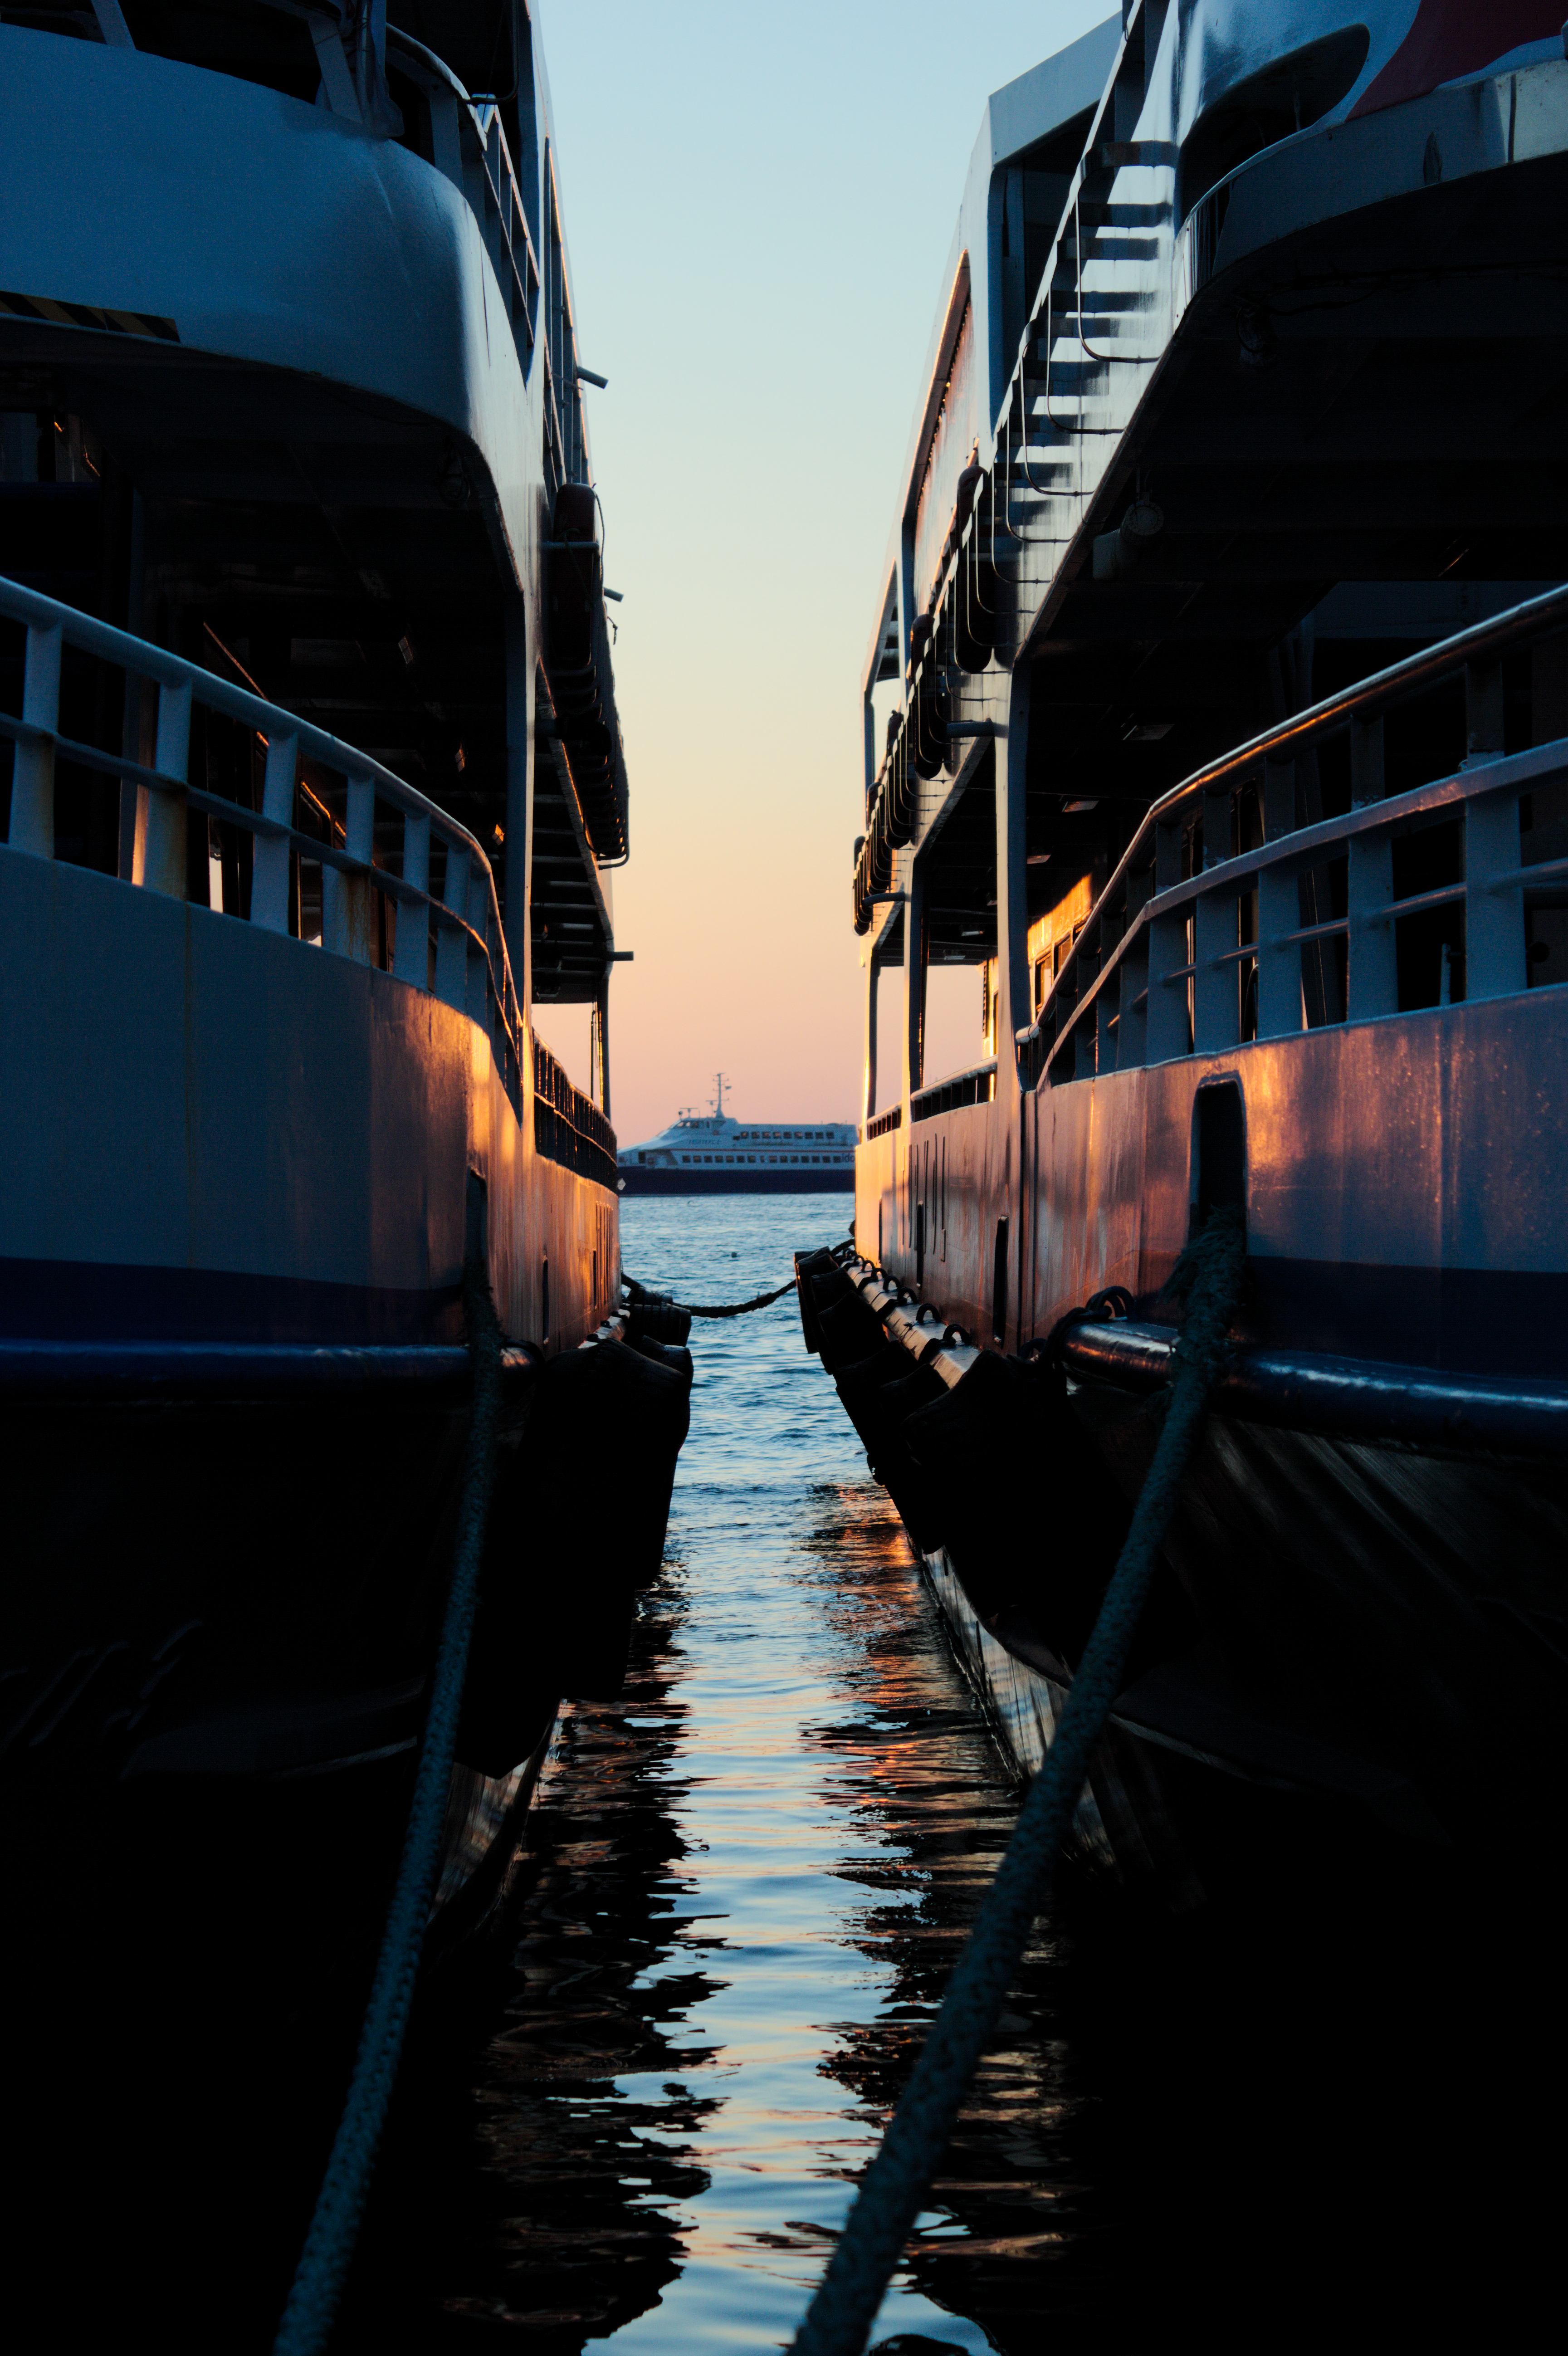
{"x": 931, "y": 730}
{"x": 577, "y": 1525}
{"x": 1030, "y": 1519}
{"x": 663, "y": 1354}
{"x": 572, "y": 591}
{"x": 657, "y": 1319}
{"x": 808, "y": 1267}
{"x": 825, "y": 1289}
{"x": 880, "y": 1408}
{"x": 975, "y": 614}
{"x": 846, "y": 1330}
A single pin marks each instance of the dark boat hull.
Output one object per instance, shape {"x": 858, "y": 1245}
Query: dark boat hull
{"x": 736, "y": 1182}
{"x": 1355, "y": 1634}
{"x": 218, "y": 1655}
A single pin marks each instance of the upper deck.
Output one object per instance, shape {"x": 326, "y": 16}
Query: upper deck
{"x": 1240, "y": 386}
{"x": 289, "y": 384}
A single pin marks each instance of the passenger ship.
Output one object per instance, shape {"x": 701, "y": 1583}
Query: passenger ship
{"x": 712, "y": 1154}
{"x": 1216, "y": 700}
{"x": 314, "y": 785}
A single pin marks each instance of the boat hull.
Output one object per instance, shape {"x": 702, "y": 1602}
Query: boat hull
{"x": 736, "y": 1182}
{"x": 1360, "y": 1603}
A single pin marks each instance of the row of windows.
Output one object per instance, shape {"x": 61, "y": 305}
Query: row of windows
{"x": 773, "y": 1161}
{"x": 784, "y": 1136}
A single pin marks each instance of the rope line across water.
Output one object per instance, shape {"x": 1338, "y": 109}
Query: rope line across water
{"x": 893, "y": 2188}
{"x": 730, "y": 1309}
{"x": 324, "y": 2264}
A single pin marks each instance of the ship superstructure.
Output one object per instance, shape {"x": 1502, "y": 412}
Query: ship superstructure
{"x": 1217, "y": 707}
{"x": 714, "y": 1154}
{"x": 314, "y": 787}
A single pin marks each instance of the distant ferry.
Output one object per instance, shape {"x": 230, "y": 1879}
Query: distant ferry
{"x": 712, "y": 1154}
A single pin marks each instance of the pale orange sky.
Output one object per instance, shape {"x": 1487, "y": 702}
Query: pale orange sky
{"x": 758, "y": 204}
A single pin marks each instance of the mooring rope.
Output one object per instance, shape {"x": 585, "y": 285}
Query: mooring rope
{"x": 323, "y": 2268}
{"x": 892, "y": 2193}
{"x": 730, "y": 1309}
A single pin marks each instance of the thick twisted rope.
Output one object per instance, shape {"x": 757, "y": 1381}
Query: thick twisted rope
{"x": 894, "y": 2189}
{"x": 324, "y": 2264}
{"x": 730, "y": 1309}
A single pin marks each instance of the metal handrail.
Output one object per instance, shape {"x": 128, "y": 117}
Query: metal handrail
{"x": 469, "y": 110}
{"x": 1481, "y": 646}
{"x": 288, "y": 737}
{"x": 951, "y": 1083}
{"x": 590, "y": 1147}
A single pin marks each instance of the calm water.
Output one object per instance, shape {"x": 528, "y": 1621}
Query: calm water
{"x": 640, "y": 2120}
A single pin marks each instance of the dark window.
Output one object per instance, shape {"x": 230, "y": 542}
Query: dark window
{"x": 999, "y": 1285}
{"x": 1218, "y": 1151}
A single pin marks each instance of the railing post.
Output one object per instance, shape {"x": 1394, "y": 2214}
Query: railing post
{"x": 163, "y": 854}
{"x": 1166, "y": 1032}
{"x": 915, "y": 976}
{"x": 1216, "y": 989}
{"x": 478, "y": 914}
{"x": 349, "y": 904}
{"x": 1166, "y": 1035}
{"x": 33, "y": 773}
{"x": 1494, "y": 917}
{"x": 1372, "y": 983}
{"x": 272, "y": 852}
{"x": 450, "y": 942}
{"x": 1279, "y": 962}
{"x": 411, "y": 959}
{"x": 1132, "y": 1030}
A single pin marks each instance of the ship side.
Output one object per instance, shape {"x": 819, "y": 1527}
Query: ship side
{"x": 1217, "y": 709}
{"x": 315, "y": 791}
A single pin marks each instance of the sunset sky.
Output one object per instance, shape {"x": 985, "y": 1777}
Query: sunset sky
{"x": 758, "y": 206}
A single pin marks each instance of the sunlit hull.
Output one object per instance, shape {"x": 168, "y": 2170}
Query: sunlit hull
{"x": 1227, "y": 719}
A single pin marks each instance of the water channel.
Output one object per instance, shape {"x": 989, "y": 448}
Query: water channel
{"x": 640, "y": 2118}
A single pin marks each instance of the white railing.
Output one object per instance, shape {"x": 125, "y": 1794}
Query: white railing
{"x": 380, "y": 899}
{"x": 470, "y": 151}
{"x": 1168, "y": 965}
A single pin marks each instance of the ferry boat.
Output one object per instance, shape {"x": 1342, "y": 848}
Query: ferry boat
{"x": 1216, "y": 701}
{"x": 713, "y": 1154}
{"x": 313, "y": 786}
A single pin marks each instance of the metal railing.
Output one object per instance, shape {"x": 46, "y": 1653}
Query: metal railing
{"x": 884, "y": 1123}
{"x": 1169, "y": 964}
{"x": 569, "y": 1127}
{"x": 402, "y": 885}
{"x": 977, "y": 1085}
{"x": 470, "y": 151}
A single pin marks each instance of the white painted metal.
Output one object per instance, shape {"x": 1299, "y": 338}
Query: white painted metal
{"x": 33, "y": 778}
